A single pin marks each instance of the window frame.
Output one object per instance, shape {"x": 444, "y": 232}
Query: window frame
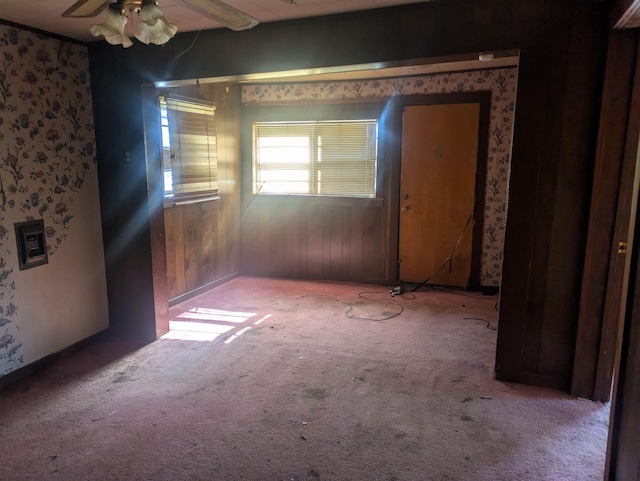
{"x": 318, "y": 112}
{"x": 170, "y": 199}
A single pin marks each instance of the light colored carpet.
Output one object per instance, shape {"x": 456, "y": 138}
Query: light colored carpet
{"x": 270, "y": 380}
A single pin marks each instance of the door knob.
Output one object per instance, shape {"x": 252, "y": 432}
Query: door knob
{"x": 405, "y": 197}
{"x": 404, "y": 209}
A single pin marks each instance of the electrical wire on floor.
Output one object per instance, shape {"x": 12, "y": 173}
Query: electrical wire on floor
{"x": 395, "y": 292}
{"x": 350, "y": 307}
{"x": 488, "y": 326}
{"x": 449, "y": 259}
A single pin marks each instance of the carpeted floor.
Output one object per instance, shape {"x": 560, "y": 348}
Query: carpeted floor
{"x": 274, "y": 380}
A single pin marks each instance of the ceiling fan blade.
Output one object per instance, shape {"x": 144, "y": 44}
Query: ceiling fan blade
{"x": 221, "y": 12}
{"x": 86, "y": 8}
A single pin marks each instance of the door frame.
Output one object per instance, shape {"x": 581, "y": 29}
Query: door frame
{"x": 604, "y": 290}
{"x": 155, "y": 182}
{"x": 396, "y": 106}
{"x": 623, "y": 445}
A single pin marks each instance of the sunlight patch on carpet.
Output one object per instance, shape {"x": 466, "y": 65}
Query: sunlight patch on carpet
{"x": 205, "y": 324}
{"x": 205, "y": 314}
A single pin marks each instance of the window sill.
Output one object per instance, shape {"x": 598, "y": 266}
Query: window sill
{"x": 320, "y": 200}
{"x": 171, "y": 202}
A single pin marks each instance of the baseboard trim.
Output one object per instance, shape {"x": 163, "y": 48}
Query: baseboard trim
{"x": 559, "y": 383}
{"x": 30, "y": 369}
{"x": 188, "y": 295}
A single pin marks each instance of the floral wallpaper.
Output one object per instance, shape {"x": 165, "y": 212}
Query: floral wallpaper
{"x": 46, "y": 151}
{"x": 501, "y": 82}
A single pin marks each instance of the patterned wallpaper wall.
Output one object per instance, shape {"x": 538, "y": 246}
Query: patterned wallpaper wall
{"x": 500, "y": 82}
{"x": 46, "y": 152}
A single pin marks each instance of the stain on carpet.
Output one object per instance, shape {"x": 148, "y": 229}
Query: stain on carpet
{"x": 315, "y": 393}
{"x": 125, "y": 376}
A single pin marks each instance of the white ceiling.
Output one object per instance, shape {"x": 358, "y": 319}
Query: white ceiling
{"x": 46, "y": 14}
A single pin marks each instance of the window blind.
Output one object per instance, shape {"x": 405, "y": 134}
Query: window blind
{"x": 316, "y": 158}
{"x": 193, "y": 148}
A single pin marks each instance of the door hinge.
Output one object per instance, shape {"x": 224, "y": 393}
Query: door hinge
{"x": 622, "y": 247}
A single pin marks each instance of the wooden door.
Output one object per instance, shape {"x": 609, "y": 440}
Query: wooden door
{"x": 623, "y": 451}
{"x": 613, "y": 199}
{"x": 437, "y": 192}
{"x": 616, "y": 183}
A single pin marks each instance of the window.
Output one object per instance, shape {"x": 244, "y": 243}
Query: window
{"x": 189, "y": 150}
{"x": 328, "y": 157}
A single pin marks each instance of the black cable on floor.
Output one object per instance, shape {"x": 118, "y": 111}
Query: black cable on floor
{"x": 351, "y": 308}
{"x": 488, "y": 326}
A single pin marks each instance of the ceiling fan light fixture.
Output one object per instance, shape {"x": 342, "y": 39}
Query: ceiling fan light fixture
{"x": 153, "y": 27}
{"x": 158, "y": 34}
{"x": 112, "y": 27}
{"x": 222, "y": 13}
{"x": 150, "y": 13}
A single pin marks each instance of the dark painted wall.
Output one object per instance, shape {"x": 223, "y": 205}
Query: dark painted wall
{"x": 562, "y": 51}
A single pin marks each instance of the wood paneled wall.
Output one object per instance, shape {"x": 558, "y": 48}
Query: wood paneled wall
{"x": 318, "y": 237}
{"x": 549, "y": 201}
{"x": 291, "y": 238}
{"x": 203, "y": 239}
{"x": 346, "y": 239}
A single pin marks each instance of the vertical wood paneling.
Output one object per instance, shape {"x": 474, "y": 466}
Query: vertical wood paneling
{"x": 571, "y": 207}
{"x": 250, "y": 244}
{"x": 170, "y": 243}
{"x": 314, "y": 243}
{"x": 277, "y": 241}
{"x": 304, "y": 244}
{"x": 190, "y": 226}
{"x": 227, "y": 128}
{"x": 318, "y": 237}
{"x": 356, "y": 231}
{"x": 177, "y": 226}
{"x": 346, "y": 243}
{"x": 299, "y": 239}
{"x": 264, "y": 236}
{"x": 207, "y": 245}
{"x": 548, "y": 203}
{"x": 336, "y": 236}
{"x": 203, "y": 238}
{"x": 371, "y": 247}
{"x": 225, "y": 139}
{"x": 326, "y": 241}
{"x": 292, "y": 244}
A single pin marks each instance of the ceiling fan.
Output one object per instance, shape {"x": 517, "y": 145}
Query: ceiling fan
{"x": 153, "y": 27}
